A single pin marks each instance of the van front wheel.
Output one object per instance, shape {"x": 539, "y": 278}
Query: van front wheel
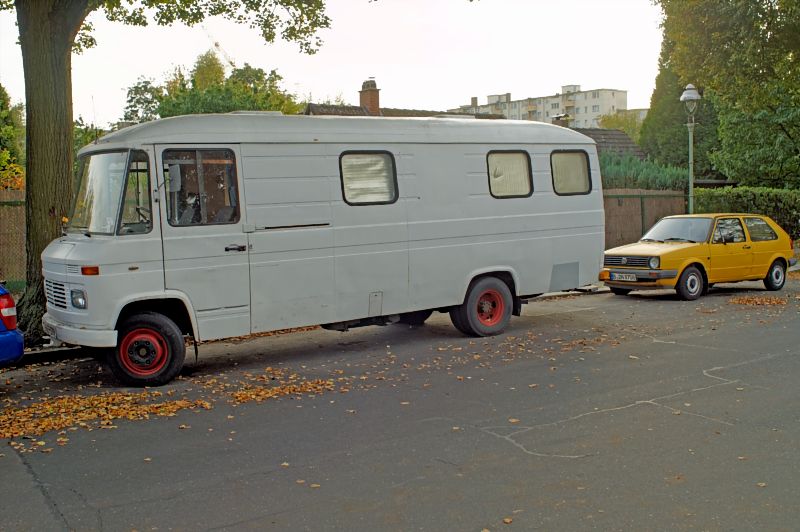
{"x": 487, "y": 309}
{"x": 150, "y": 350}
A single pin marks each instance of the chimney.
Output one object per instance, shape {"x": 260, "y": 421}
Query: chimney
{"x": 370, "y": 98}
{"x": 474, "y": 101}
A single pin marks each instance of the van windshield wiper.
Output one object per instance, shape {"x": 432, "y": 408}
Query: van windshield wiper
{"x": 679, "y": 239}
{"x": 650, "y": 240}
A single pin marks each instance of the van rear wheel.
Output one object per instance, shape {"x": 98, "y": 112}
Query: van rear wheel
{"x": 150, "y": 350}
{"x": 487, "y": 309}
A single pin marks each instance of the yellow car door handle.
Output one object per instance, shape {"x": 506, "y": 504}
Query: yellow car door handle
{"x": 745, "y": 247}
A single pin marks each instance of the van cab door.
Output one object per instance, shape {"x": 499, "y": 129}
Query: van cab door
{"x": 205, "y": 248}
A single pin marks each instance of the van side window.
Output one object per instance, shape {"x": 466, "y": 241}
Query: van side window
{"x": 368, "y": 178}
{"x": 759, "y": 230}
{"x": 201, "y": 187}
{"x": 509, "y": 174}
{"x": 137, "y": 210}
{"x": 728, "y": 230}
{"x": 570, "y": 171}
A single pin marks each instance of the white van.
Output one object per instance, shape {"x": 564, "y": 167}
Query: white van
{"x": 215, "y": 226}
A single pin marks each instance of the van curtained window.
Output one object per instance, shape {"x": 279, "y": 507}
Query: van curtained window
{"x": 201, "y": 187}
{"x": 509, "y": 174}
{"x": 570, "y": 170}
{"x": 368, "y": 178}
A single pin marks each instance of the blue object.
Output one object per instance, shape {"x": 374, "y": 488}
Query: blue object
{"x": 11, "y": 342}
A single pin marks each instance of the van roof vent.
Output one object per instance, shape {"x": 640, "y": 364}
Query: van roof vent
{"x": 264, "y": 113}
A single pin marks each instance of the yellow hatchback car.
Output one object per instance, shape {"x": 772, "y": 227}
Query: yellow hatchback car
{"x": 691, "y": 253}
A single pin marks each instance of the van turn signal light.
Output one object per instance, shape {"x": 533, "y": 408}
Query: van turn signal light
{"x": 90, "y": 270}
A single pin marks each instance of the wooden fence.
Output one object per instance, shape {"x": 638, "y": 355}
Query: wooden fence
{"x": 631, "y": 212}
{"x": 12, "y": 236}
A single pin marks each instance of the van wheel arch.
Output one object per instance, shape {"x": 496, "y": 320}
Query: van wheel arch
{"x": 172, "y": 308}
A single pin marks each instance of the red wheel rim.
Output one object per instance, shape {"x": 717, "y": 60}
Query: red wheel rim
{"x": 143, "y": 352}
{"x": 491, "y": 308}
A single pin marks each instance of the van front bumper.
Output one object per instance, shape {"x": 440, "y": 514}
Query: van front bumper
{"x": 61, "y": 333}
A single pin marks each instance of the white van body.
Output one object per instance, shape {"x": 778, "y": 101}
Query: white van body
{"x": 298, "y": 254}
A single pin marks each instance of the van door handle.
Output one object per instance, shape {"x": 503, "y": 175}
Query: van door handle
{"x": 236, "y": 247}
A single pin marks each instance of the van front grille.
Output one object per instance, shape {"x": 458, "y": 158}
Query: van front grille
{"x": 56, "y": 293}
{"x": 633, "y": 262}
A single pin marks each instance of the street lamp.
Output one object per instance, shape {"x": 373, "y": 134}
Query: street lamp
{"x": 691, "y": 98}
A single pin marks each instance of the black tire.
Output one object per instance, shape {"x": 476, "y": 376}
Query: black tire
{"x": 620, "y": 291}
{"x": 150, "y": 350}
{"x": 486, "y": 310}
{"x": 776, "y": 276}
{"x": 691, "y": 284}
{"x": 415, "y": 318}
{"x": 455, "y": 317}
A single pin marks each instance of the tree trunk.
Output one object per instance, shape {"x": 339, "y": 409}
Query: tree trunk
{"x": 47, "y": 30}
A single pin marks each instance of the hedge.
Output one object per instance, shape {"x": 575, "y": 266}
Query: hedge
{"x": 782, "y": 205}
{"x": 628, "y": 171}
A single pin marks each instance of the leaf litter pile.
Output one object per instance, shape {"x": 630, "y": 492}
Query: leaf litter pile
{"x": 26, "y": 419}
{"x": 758, "y": 301}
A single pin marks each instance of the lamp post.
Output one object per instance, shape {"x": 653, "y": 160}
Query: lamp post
{"x": 690, "y": 98}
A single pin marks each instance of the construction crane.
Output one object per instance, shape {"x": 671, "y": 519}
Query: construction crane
{"x": 217, "y": 47}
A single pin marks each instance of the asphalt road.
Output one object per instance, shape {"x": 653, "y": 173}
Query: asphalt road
{"x": 593, "y": 412}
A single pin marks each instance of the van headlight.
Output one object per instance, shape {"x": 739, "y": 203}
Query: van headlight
{"x": 78, "y": 298}
{"x": 654, "y": 263}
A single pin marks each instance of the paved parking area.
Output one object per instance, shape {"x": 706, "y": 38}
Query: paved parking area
{"x": 591, "y": 412}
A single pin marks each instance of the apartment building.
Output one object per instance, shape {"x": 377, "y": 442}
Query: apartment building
{"x": 580, "y": 109}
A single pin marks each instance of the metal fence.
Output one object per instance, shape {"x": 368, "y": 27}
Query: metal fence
{"x": 629, "y": 213}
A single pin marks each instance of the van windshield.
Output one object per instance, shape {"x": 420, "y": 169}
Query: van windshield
{"x": 100, "y": 179}
{"x": 679, "y": 230}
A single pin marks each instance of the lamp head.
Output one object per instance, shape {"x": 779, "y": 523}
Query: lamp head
{"x": 690, "y": 98}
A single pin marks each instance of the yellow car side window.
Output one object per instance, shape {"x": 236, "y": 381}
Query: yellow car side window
{"x": 759, "y": 230}
{"x": 728, "y": 230}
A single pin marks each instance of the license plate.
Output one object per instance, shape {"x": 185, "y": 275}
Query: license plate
{"x": 623, "y": 277}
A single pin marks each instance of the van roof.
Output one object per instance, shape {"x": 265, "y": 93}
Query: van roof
{"x": 236, "y": 128}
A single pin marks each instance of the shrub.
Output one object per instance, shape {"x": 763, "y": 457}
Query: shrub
{"x": 628, "y": 171}
{"x": 782, "y": 205}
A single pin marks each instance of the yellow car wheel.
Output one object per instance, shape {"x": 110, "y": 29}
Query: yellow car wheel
{"x": 691, "y": 284}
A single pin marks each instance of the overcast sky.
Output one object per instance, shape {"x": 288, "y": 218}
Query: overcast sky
{"x": 423, "y": 54}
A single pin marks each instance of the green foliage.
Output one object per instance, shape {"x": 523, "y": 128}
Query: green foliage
{"x": 142, "y": 103}
{"x": 246, "y": 89}
{"x": 207, "y": 72}
{"x": 83, "y": 134}
{"x": 625, "y": 120}
{"x": 628, "y": 171}
{"x": 746, "y": 52}
{"x": 756, "y": 149}
{"x": 782, "y": 205}
{"x": 12, "y": 143}
{"x": 664, "y": 136}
